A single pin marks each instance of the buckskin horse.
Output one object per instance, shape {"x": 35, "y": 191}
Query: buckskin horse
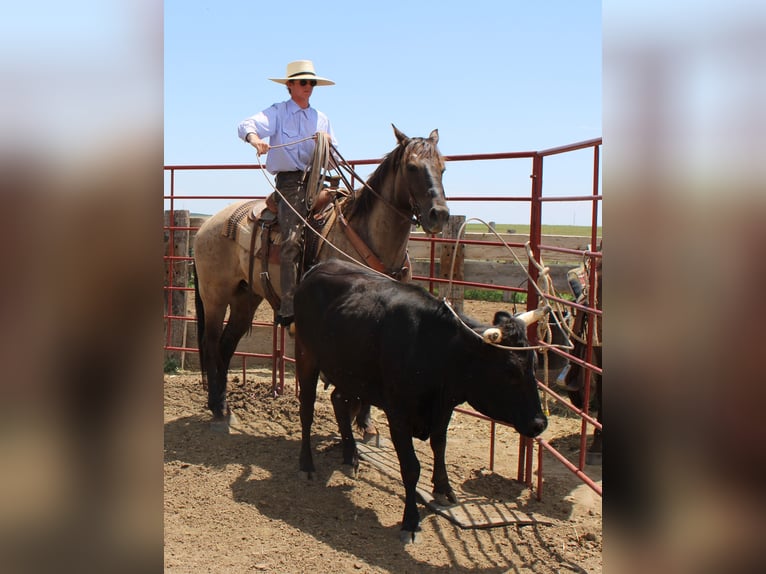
{"x": 372, "y": 225}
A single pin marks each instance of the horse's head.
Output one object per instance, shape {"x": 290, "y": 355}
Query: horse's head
{"x": 420, "y": 178}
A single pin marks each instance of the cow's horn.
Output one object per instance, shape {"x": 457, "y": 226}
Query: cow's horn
{"x": 531, "y": 317}
{"x": 492, "y": 335}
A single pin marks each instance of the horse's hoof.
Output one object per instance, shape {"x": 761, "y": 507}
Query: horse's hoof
{"x": 222, "y": 423}
{"x": 408, "y": 537}
{"x": 220, "y": 426}
{"x": 593, "y": 458}
{"x": 305, "y": 475}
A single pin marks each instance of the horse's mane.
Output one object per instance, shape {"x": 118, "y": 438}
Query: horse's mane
{"x": 365, "y": 198}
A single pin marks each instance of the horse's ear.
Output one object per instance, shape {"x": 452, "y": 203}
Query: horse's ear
{"x": 434, "y": 137}
{"x": 401, "y": 138}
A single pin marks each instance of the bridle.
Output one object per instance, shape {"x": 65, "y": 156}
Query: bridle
{"x": 413, "y": 216}
{"x": 323, "y": 161}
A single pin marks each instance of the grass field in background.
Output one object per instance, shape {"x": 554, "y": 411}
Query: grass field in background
{"x": 575, "y": 230}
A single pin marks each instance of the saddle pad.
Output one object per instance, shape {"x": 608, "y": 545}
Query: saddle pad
{"x": 240, "y": 227}
{"x": 236, "y": 218}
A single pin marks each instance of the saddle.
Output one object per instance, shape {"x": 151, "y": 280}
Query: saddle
{"x": 255, "y": 227}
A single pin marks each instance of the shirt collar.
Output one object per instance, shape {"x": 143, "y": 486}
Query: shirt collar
{"x": 294, "y": 108}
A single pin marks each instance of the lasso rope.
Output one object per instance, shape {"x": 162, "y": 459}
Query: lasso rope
{"x": 544, "y": 273}
{"x": 323, "y": 159}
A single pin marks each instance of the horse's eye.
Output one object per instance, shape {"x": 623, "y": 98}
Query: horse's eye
{"x": 412, "y": 168}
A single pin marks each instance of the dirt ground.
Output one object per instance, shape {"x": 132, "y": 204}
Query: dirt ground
{"x": 236, "y": 503}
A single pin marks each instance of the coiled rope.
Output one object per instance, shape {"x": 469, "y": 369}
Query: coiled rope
{"x": 322, "y": 158}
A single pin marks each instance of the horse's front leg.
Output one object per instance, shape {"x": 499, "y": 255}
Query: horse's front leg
{"x": 410, "y": 469}
{"x": 343, "y": 409}
{"x": 443, "y": 493}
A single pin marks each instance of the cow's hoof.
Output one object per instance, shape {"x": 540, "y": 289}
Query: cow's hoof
{"x": 445, "y": 499}
{"x": 350, "y": 470}
{"x": 305, "y": 475}
{"x": 408, "y": 537}
{"x": 593, "y": 458}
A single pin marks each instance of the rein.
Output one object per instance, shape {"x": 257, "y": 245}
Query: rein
{"x": 370, "y": 259}
{"x": 414, "y": 215}
{"x": 323, "y": 157}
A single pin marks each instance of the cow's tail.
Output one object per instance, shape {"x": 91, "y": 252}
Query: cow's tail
{"x": 199, "y": 308}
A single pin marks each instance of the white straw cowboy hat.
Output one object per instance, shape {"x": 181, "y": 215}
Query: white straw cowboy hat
{"x": 302, "y": 70}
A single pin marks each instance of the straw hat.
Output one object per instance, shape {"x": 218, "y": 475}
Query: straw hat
{"x": 302, "y": 70}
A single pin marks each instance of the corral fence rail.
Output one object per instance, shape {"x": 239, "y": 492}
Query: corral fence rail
{"x": 482, "y": 263}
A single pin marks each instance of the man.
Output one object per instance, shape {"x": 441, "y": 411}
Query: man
{"x": 284, "y": 123}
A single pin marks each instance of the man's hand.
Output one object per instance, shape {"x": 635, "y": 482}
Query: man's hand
{"x": 257, "y": 143}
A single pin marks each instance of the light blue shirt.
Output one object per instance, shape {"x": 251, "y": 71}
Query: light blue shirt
{"x": 286, "y": 122}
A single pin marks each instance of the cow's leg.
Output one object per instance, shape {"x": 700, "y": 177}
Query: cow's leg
{"x": 365, "y": 424}
{"x": 307, "y": 373}
{"x": 361, "y": 412}
{"x": 410, "y": 469}
{"x": 343, "y": 411}
{"x": 443, "y": 493}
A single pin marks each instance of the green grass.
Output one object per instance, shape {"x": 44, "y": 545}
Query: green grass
{"x": 576, "y": 230}
{"x": 171, "y": 366}
{"x": 493, "y": 295}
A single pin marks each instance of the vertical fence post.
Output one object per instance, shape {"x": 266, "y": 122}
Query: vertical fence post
{"x": 448, "y": 251}
{"x": 176, "y": 245}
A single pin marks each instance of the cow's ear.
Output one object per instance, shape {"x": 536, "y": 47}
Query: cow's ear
{"x": 492, "y": 335}
{"x": 501, "y": 318}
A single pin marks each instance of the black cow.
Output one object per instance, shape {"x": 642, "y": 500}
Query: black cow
{"x": 401, "y": 349}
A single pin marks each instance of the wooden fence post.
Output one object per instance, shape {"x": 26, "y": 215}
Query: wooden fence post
{"x": 176, "y": 244}
{"x": 450, "y": 231}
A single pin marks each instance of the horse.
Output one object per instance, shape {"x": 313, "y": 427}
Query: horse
{"x": 373, "y": 225}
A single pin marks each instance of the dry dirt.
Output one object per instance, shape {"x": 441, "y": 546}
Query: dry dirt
{"x": 235, "y": 503}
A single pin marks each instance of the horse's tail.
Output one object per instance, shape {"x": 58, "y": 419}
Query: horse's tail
{"x": 200, "y": 312}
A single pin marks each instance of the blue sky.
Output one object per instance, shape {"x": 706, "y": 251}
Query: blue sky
{"x": 492, "y": 76}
